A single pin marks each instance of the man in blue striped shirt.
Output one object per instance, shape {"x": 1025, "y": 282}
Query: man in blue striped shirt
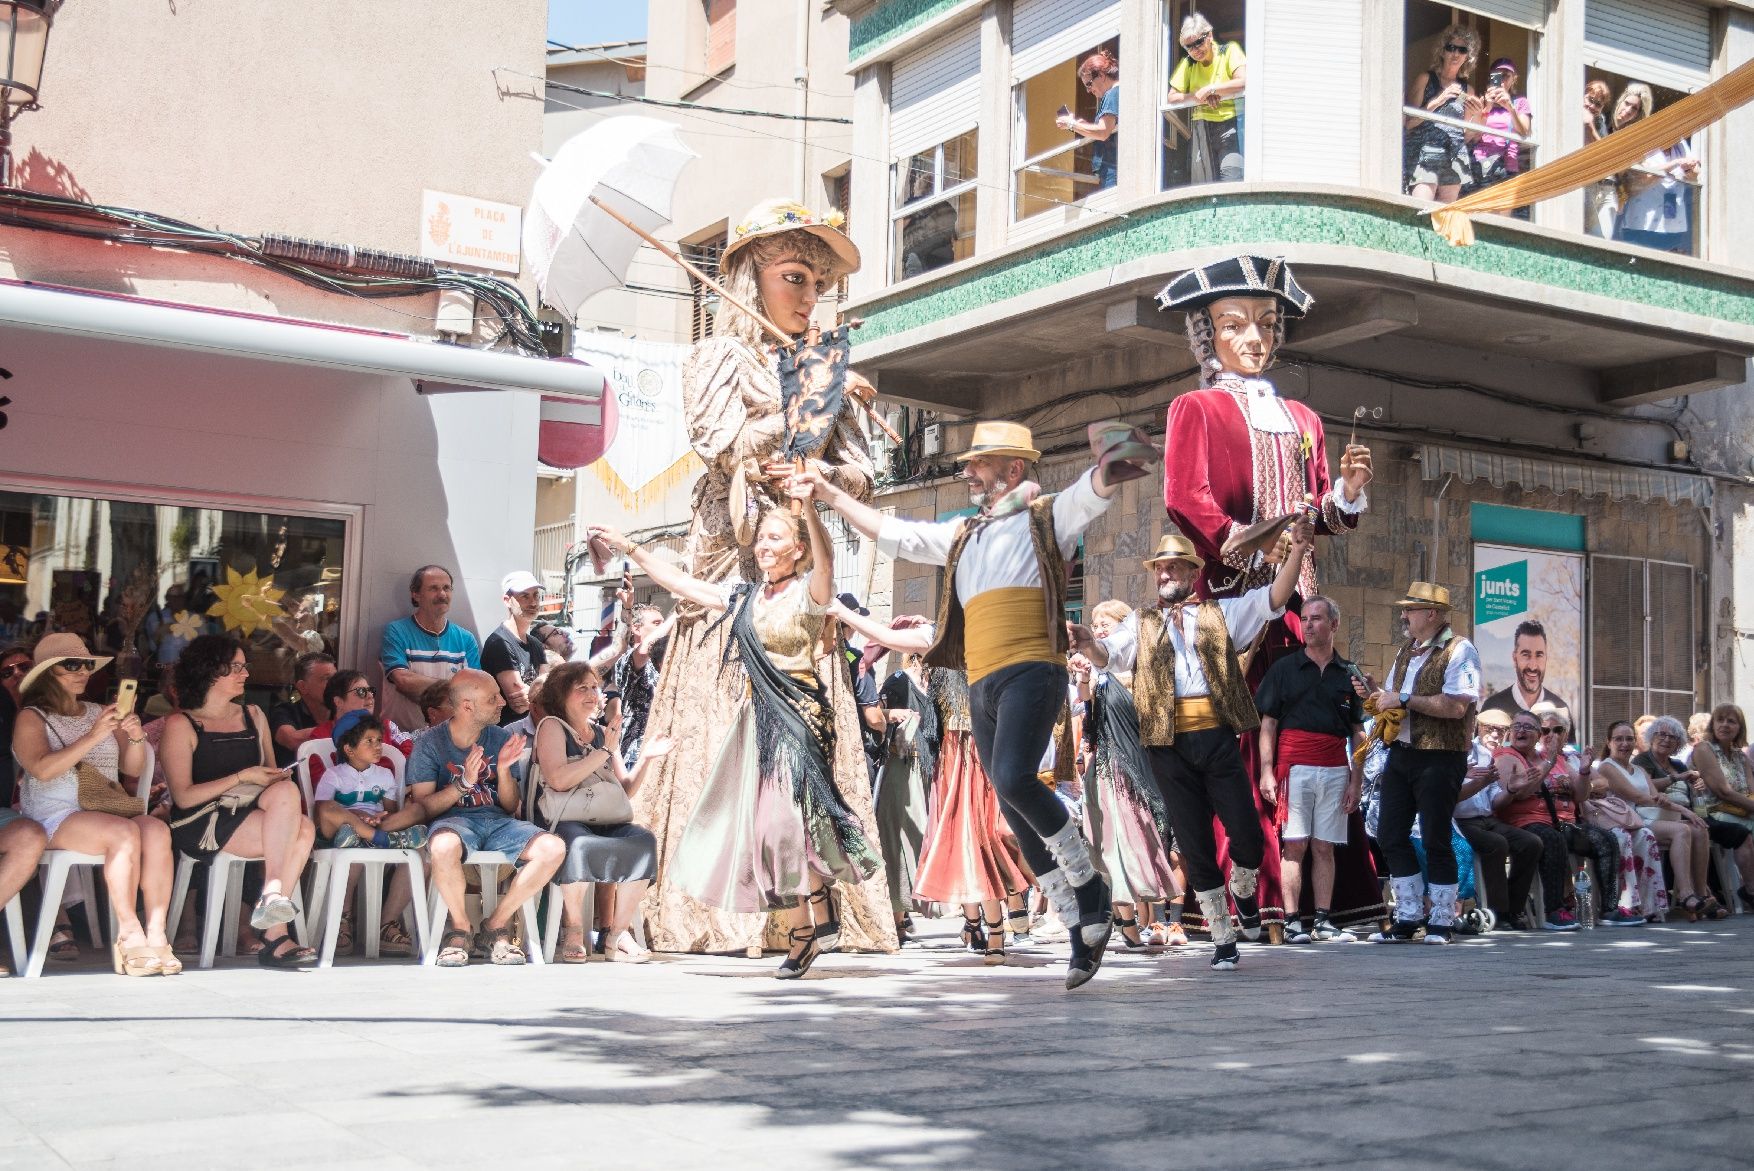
{"x": 423, "y": 647}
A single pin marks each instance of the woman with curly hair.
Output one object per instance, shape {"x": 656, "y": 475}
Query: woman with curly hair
{"x": 226, "y": 793}
{"x": 1435, "y": 157}
{"x": 780, "y": 260}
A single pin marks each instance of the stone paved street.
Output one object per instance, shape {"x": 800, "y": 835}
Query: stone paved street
{"x": 1630, "y": 1048}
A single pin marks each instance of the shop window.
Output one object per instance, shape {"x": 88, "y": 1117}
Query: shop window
{"x": 1467, "y": 122}
{"x": 1641, "y": 640}
{"x": 1059, "y": 166}
{"x": 138, "y": 581}
{"x": 1202, "y": 137}
{"x": 1656, "y": 204}
{"x": 933, "y": 218}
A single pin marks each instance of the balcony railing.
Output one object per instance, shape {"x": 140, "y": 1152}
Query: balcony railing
{"x": 552, "y": 542}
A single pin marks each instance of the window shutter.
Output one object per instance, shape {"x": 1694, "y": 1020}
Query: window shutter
{"x": 1530, "y": 14}
{"x": 1672, "y": 609}
{"x": 1663, "y": 41}
{"x": 1617, "y": 640}
{"x": 935, "y": 93}
{"x": 721, "y": 35}
{"x": 1297, "y": 50}
{"x": 1047, "y": 32}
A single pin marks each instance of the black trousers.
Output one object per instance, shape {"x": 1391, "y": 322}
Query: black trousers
{"x": 1423, "y": 782}
{"x": 1585, "y": 840}
{"x": 1199, "y": 776}
{"x": 1012, "y": 713}
{"x": 1495, "y": 843}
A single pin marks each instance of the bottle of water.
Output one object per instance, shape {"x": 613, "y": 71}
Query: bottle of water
{"x": 1586, "y": 903}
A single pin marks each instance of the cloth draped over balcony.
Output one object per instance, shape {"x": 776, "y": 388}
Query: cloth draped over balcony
{"x": 1602, "y": 158}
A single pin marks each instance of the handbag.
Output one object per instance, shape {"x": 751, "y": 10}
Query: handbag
{"x": 599, "y": 800}
{"x": 1612, "y": 812}
{"x": 97, "y": 792}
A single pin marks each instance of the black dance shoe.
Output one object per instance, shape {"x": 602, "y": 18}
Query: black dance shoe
{"x": 827, "y": 933}
{"x": 1225, "y": 958}
{"x": 794, "y": 966}
{"x": 1400, "y": 931}
{"x": 1096, "y": 912}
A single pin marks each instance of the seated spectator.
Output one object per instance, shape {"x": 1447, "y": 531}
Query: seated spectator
{"x": 1497, "y": 158}
{"x": 1681, "y": 831}
{"x": 69, "y": 755}
{"x": 1435, "y": 154}
{"x": 226, "y": 796}
{"x": 1698, "y": 724}
{"x": 22, "y": 842}
{"x": 359, "y": 801}
{"x": 1723, "y": 765}
{"x": 293, "y": 721}
{"x": 526, "y": 727}
{"x": 462, "y": 775}
{"x": 573, "y": 748}
{"x": 348, "y": 691}
{"x": 1494, "y": 841}
{"x": 512, "y": 652}
{"x": 1541, "y": 793}
{"x": 1641, "y": 728}
{"x": 424, "y": 646}
{"x": 435, "y": 703}
{"x": 634, "y": 675}
{"x": 14, "y": 665}
{"x": 1654, "y": 213}
{"x": 1644, "y": 895}
{"x": 1215, "y": 77}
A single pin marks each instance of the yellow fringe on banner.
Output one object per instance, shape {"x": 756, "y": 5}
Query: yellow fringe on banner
{"x": 1602, "y": 158}
{"x": 655, "y": 489}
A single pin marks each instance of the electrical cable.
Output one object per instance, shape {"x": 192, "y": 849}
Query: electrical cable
{"x": 677, "y": 105}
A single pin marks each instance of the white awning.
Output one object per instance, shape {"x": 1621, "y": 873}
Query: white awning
{"x": 1529, "y": 472}
{"x": 434, "y": 365}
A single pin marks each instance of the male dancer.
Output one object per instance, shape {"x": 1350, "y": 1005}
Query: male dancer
{"x": 1003, "y": 620}
{"x": 1193, "y": 704}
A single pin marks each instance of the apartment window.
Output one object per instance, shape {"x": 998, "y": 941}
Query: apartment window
{"x": 1058, "y": 165}
{"x": 934, "y": 206}
{"x": 1641, "y": 56}
{"x": 1641, "y": 640}
{"x": 839, "y": 186}
{"x": 721, "y": 35}
{"x": 703, "y": 306}
{"x": 1202, "y": 108}
{"x": 1467, "y": 122}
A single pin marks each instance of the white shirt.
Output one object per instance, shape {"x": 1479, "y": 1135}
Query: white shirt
{"x": 1480, "y": 804}
{"x": 1461, "y": 678}
{"x": 1002, "y": 554}
{"x": 1246, "y": 617}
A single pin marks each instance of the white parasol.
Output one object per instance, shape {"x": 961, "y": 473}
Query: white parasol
{"x": 620, "y": 169}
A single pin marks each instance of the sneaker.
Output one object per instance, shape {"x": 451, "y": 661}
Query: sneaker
{"x": 1294, "y": 932}
{"x": 347, "y": 838}
{"x": 1225, "y": 958}
{"x": 1326, "y": 932}
{"x": 1439, "y": 935}
{"x": 1622, "y": 918}
{"x": 1174, "y": 936}
{"x": 1560, "y": 920}
{"x": 1400, "y": 931}
{"x": 1050, "y": 930}
{"x": 412, "y": 838}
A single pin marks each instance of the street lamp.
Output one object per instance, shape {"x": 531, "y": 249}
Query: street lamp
{"x": 24, "y": 42}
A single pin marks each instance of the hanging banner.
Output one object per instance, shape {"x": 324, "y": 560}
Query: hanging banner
{"x": 650, "y": 453}
{"x": 1528, "y": 625}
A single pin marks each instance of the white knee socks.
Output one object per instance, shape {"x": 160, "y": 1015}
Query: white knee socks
{"x": 1443, "y": 904}
{"x": 1216, "y": 908}
{"x": 1410, "y": 898}
{"x": 1072, "y": 854}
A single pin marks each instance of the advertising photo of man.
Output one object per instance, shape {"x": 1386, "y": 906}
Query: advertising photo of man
{"x": 1529, "y": 663}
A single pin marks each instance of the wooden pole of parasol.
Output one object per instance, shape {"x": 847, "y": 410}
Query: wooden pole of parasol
{"x": 785, "y": 340}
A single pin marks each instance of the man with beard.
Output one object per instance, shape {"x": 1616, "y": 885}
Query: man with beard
{"x": 1528, "y": 656}
{"x": 1193, "y": 705}
{"x": 1002, "y": 618}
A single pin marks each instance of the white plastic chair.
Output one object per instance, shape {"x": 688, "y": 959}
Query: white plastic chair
{"x": 54, "y": 871}
{"x": 1729, "y": 876}
{"x": 15, "y": 934}
{"x": 330, "y": 866}
{"x": 487, "y": 864}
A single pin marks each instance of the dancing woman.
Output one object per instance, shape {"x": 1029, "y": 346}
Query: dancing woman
{"x": 780, "y": 260}
{"x": 772, "y": 827}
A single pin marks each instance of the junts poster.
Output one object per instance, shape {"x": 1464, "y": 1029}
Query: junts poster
{"x": 1528, "y": 626}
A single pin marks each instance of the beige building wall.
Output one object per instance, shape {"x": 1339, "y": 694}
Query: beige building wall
{"x": 324, "y": 119}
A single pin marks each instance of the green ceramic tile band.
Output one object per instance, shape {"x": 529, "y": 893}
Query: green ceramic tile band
{"x": 870, "y": 31}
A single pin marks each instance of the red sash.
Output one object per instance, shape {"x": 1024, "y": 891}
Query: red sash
{"x": 1312, "y": 748}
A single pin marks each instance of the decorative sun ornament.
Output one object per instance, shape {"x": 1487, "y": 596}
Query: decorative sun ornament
{"x": 185, "y": 626}
{"x": 247, "y": 603}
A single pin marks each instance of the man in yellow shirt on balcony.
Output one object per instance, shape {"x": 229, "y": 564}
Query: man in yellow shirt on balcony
{"x": 1215, "y": 77}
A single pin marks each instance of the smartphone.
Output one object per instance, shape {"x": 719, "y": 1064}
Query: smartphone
{"x": 1065, "y": 111}
{"x": 1496, "y": 77}
{"x": 126, "y": 691}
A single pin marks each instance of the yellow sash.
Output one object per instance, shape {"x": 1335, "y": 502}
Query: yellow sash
{"x": 1006, "y": 626}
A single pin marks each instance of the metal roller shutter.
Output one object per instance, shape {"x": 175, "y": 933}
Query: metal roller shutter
{"x": 935, "y": 93}
{"x": 1296, "y": 49}
{"x": 1523, "y": 13}
{"x": 1047, "y": 32}
{"x": 1663, "y": 41}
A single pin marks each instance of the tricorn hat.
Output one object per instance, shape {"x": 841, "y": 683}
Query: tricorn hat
{"x": 1422, "y": 595}
{"x": 1011, "y": 439}
{"x": 1175, "y": 547}
{"x": 1239, "y": 276}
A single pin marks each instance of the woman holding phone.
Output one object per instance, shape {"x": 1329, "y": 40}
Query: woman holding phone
{"x": 63, "y": 744}
{"x": 225, "y": 795}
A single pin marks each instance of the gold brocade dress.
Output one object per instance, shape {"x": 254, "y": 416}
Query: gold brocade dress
{"x": 731, "y": 403}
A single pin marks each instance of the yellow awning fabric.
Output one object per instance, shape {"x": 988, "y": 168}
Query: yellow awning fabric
{"x": 1602, "y": 158}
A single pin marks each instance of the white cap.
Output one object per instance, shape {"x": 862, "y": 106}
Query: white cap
{"x": 519, "y": 580}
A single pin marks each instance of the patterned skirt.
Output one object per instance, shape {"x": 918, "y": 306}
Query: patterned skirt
{"x": 964, "y": 859}
{"x": 1130, "y": 850}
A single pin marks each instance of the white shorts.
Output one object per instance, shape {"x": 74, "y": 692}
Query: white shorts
{"x": 1316, "y": 794}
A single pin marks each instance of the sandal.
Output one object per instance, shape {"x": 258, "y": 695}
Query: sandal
{"x": 454, "y": 949}
{"x": 827, "y": 929}
{"x": 168, "y": 961}
{"x": 626, "y": 950}
{"x": 1692, "y": 907}
{"x": 276, "y": 954}
{"x": 1134, "y": 942}
{"x": 572, "y": 948}
{"x": 995, "y": 953}
{"x": 63, "y": 948}
{"x": 500, "y": 948}
{"x": 271, "y": 910}
{"x": 794, "y": 966}
{"x": 393, "y": 940}
{"x": 136, "y": 961}
{"x": 344, "y": 936}
{"x": 1019, "y": 925}
{"x": 1712, "y": 909}
{"x": 973, "y": 938}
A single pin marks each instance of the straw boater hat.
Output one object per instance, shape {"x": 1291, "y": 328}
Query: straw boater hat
{"x": 55, "y": 648}
{"x": 1175, "y": 547}
{"x": 1239, "y": 276}
{"x": 1011, "y": 439}
{"x": 1422, "y": 595}
{"x": 1492, "y": 718}
{"x": 773, "y": 216}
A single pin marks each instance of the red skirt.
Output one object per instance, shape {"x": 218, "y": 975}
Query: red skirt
{"x": 964, "y": 859}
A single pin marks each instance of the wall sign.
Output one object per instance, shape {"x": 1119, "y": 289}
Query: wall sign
{"x": 475, "y": 233}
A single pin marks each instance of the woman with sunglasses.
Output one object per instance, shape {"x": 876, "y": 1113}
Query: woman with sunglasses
{"x": 59, "y": 736}
{"x": 1541, "y": 795}
{"x": 1644, "y": 896}
{"x": 1435, "y": 155}
{"x": 350, "y": 691}
{"x": 1675, "y": 825}
{"x": 1101, "y": 75}
{"x": 1722, "y": 761}
{"x": 1214, "y": 76}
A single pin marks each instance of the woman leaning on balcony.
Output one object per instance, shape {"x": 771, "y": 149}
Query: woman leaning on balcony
{"x": 1435, "y": 156}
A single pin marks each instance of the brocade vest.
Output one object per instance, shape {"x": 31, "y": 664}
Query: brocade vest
{"x": 950, "y": 649}
{"x": 1154, "y": 675}
{"x": 1431, "y": 732}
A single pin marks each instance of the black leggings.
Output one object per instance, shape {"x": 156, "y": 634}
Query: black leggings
{"x": 1013, "y": 712}
{"x": 1200, "y": 775}
{"x": 1426, "y": 782}
{"x": 1494, "y": 842}
{"x": 1592, "y": 842}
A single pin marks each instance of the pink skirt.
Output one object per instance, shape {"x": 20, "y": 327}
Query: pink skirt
{"x": 1128, "y": 847}
{"x": 964, "y": 859}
